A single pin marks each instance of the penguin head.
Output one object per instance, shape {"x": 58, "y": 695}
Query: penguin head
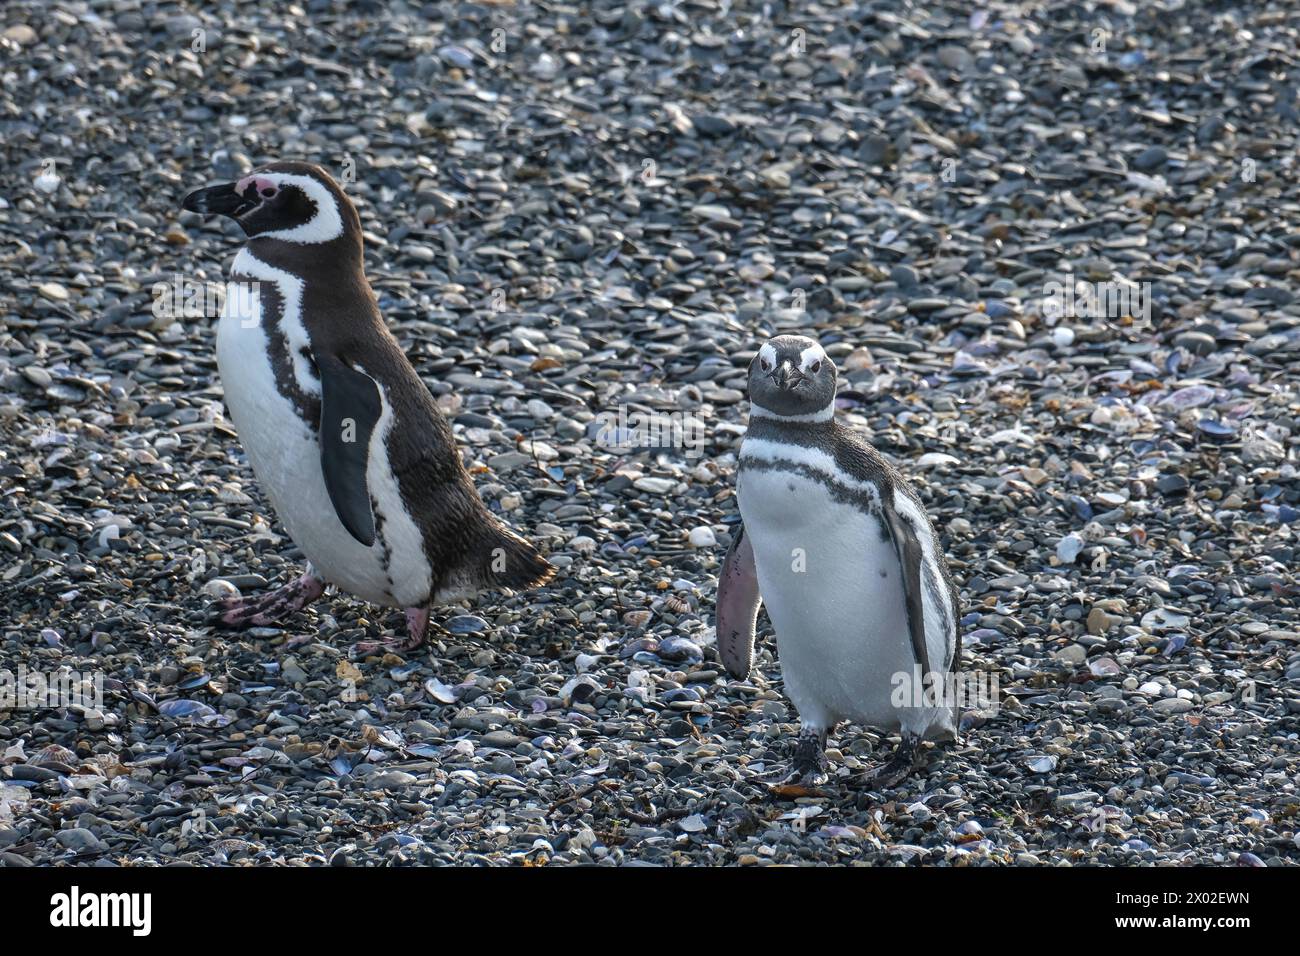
{"x": 791, "y": 376}
{"x": 292, "y": 201}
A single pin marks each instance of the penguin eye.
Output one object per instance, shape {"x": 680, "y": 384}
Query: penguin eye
{"x": 765, "y": 365}
{"x": 268, "y": 192}
{"x": 816, "y": 366}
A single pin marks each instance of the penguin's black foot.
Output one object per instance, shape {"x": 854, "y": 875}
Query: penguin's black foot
{"x": 809, "y": 766}
{"x": 417, "y": 628}
{"x": 897, "y": 769}
{"x": 264, "y": 610}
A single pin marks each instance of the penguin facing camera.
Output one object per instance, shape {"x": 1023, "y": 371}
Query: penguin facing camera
{"x": 836, "y": 544}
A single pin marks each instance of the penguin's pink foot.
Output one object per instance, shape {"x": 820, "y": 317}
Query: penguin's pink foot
{"x": 265, "y": 610}
{"x": 417, "y": 627}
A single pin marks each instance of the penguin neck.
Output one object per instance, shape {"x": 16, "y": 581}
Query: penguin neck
{"x": 780, "y": 429}
{"x": 337, "y": 257}
{"x": 758, "y": 413}
{"x": 334, "y": 301}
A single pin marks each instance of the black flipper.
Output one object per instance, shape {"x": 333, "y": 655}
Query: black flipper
{"x": 350, "y": 407}
{"x": 908, "y": 546}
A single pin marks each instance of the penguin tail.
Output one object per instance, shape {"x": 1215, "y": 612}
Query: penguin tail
{"x": 512, "y": 564}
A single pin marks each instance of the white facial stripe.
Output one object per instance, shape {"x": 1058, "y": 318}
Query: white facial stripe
{"x": 325, "y": 225}
{"x": 291, "y": 327}
{"x": 811, "y": 354}
{"x": 821, "y": 415}
{"x": 762, "y": 449}
{"x": 767, "y": 355}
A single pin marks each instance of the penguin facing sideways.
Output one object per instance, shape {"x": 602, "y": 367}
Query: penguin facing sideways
{"x": 346, "y": 441}
{"x": 837, "y": 546}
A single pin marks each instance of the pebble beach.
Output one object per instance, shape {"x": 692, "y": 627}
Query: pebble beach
{"x": 1052, "y": 247}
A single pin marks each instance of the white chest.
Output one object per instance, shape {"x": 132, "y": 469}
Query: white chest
{"x": 831, "y": 583}
{"x": 285, "y": 454}
{"x": 281, "y": 448}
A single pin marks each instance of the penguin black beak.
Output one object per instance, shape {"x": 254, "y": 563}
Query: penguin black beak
{"x": 786, "y": 377}
{"x": 221, "y": 200}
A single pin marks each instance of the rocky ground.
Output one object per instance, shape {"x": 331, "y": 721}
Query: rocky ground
{"x": 573, "y": 208}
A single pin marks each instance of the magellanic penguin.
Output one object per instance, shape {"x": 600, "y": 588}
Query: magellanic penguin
{"x": 836, "y": 544}
{"x": 343, "y": 436}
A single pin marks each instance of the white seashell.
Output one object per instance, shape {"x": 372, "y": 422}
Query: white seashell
{"x": 936, "y": 459}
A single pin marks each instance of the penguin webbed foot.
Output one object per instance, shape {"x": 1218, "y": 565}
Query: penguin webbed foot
{"x": 904, "y": 760}
{"x": 417, "y": 631}
{"x": 266, "y": 610}
{"x": 805, "y": 777}
{"x": 809, "y": 767}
